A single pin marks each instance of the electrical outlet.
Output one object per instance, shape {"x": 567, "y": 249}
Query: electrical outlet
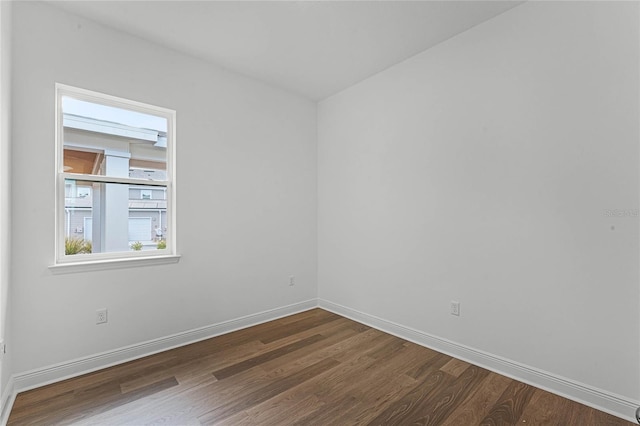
{"x": 455, "y": 308}
{"x": 101, "y": 316}
{"x": 292, "y": 280}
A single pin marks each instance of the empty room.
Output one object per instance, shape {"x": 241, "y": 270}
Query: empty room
{"x": 320, "y": 212}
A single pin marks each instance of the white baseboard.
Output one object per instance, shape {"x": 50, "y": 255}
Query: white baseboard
{"x": 8, "y": 396}
{"x": 55, "y": 373}
{"x": 588, "y": 395}
{"x": 597, "y": 398}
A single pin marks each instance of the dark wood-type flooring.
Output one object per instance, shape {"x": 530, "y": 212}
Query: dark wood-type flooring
{"x": 313, "y": 368}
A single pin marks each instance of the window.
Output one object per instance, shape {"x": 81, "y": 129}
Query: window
{"x": 115, "y": 178}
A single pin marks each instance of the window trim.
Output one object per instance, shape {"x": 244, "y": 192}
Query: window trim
{"x": 97, "y": 261}
{"x": 105, "y": 264}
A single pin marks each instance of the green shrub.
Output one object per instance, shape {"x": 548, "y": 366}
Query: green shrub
{"x": 162, "y": 244}
{"x": 137, "y": 246}
{"x": 76, "y": 246}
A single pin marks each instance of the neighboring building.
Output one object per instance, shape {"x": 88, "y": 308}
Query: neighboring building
{"x": 146, "y": 215}
{"x": 85, "y": 153}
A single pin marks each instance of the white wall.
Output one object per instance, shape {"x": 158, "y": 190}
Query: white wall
{"x": 480, "y": 170}
{"x": 246, "y": 164}
{"x": 5, "y": 188}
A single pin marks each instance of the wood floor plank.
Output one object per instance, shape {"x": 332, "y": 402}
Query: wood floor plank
{"x": 370, "y": 339}
{"x": 195, "y": 401}
{"x": 292, "y": 328}
{"x": 331, "y": 387}
{"x": 510, "y": 406}
{"x": 266, "y": 392}
{"x": 147, "y": 376}
{"x": 386, "y": 382}
{"x": 35, "y": 396}
{"x": 92, "y": 401}
{"x": 267, "y": 356}
{"x": 438, "y": 408}
{"x": 231, "y": 388}
{"x": 431, "y": 361}
{"x": 473, "y": 409}
{"x": 217, "y": 360}
{"x": 545, "y": 409}
{"x": 213, "y": 395}
{"x": 455, "y": 367}
{"x": 323, "y": 416}
{"x": 374, "y": 401}
{"x": 408, "y": 407}
{"x": 311, "y": 368}
{"x": 335, "y": 338}
{"x": 323, "y": 381}
{"x": 160, "y": 408}
{"x": 315, "y": 313}
{"x": 279, "y": 411}
{"x": 579, "y": 414}
{"x": 336, "y": 393}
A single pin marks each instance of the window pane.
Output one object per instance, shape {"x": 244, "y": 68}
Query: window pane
{"x": 113, "y": 217}
{"x": 109, "y": 141}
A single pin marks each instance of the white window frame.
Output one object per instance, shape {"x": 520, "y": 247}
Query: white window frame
{"x": 97, "y": 261}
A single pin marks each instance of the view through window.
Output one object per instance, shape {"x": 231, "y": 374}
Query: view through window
{"x": 115, "y": 168}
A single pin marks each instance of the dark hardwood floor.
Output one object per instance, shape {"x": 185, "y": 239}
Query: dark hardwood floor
{"x": 313, "y": 368}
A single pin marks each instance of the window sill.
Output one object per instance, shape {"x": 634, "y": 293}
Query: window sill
{"x": 101, "y": 265}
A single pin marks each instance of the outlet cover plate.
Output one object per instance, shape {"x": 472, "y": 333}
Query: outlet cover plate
{"x": 101, "y": 316}
{"x": 455, "y": 308}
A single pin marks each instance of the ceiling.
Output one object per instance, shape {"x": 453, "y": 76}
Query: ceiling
{"x": 313, "y": 48}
